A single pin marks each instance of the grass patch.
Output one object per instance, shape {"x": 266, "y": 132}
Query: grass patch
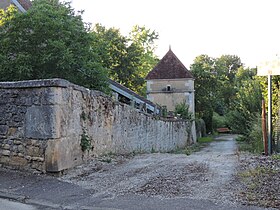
{"x": 255, "y": 172}
{"x": 244, "y": 146}
{"x": 251, "y": 146}
{"x": 106, "y": 159}
{"x": 201, "y": 143}
{"x": 188, "y": 150}
{"x": 276, "y": 157}
{"x": 205, "y": 140}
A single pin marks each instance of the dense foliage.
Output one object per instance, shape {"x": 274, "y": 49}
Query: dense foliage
{"x": 51, "y": 40}
{"x": 206, "y": 88}
{"x": 48, "y": 41}
{"x": 182, "y": 109}
{"x": 227, "y": 93}
{"x": 230, "y": 95}
{"x": 275, "y": 94}
{"x": 128, "y": 59}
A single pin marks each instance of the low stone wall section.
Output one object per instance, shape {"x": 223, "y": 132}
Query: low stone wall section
{"x": 44, "y": 122}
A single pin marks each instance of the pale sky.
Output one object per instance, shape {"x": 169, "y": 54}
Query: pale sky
{"x": 249, "y": 29}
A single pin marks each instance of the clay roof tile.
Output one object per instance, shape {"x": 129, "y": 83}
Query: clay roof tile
{"x": 169, "y": 67}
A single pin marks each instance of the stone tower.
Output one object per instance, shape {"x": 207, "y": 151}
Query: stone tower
{"x": 170, "y": 83}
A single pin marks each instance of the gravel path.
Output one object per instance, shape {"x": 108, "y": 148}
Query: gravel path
{"x": 207, "y": 174}
{"x": 209, "y": 179}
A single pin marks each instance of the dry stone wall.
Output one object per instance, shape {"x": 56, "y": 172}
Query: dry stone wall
{"x": 44, "y": 122}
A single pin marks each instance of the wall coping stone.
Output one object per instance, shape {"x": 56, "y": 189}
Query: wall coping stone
{"x": 35, "y": 83}
{"x": 55, "y": 82}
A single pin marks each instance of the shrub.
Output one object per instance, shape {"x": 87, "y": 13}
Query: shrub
{"x": 183, "y": 110}
{"x": 255, "y": 136}
{"x": 252, "y": 140}
{"x": 218, "y": 121}
{"x": 200, "y": 128}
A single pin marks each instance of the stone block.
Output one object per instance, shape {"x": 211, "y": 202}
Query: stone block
{"x": 35, "y": 143}
{"x": 16, "y": 142}
{"x": 28, "y": 158}
{"x": 42, "y": 122}
{"x": 4, "y": 159}
{"x": 19, "y": 101}
{"x": 2, "y": 120}
{"x": 36, "y": 165}
{"x": 36, "y": 151}
{"x": 29, "y": 150}
{"x": 52, "y": 96}
{"x": 6, "y": 146}
{"x": 36, "y": 100}
{"x": 28, "y": 101}
{"x": 21, "y": 148}
{"x": 15, "y": 148}
{"x": 62, "y": 154}
{"x": 28, "y": 142}
{"x": 18, "y": 161}
{"x": 39, "y": 159}
{"x": 6, "y": 152}
{"x": 3, "y": 129}
{"x": 20, "y": 155}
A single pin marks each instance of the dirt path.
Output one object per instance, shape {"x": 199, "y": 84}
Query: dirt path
{"x": 203, "y": 175}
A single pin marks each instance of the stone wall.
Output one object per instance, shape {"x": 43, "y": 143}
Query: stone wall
{"x": 43, "y": 122}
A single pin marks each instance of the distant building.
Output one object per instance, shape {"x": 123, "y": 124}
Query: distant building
{"x": 170, "y": 83}
{"x": 22, "y": 5}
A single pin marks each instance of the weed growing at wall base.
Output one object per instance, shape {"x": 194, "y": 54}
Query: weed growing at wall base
{"x": 85, "y": 142}
{"x": 201, "y": 143}
{"x": 205, "y": 139}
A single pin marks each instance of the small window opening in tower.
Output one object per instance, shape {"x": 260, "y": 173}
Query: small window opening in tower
{"x": 168, "y": 88}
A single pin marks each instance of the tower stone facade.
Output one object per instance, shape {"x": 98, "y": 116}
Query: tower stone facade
{"x": 170, "y": 83}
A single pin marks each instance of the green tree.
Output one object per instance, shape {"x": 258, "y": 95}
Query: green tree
{"x": 226, "y": 67}
{"x": 206, "y": 86}
{"x": 221, "y": 85}
{"x": 275, "y": 95}
{"x": 48, "y": 41}
{"x": 143, "y": 41}
{"x": 247, "y": 107}
{"x": 128, "y": 59}
{"x": 7, "y": 15}
{"x": 183, "y": 110}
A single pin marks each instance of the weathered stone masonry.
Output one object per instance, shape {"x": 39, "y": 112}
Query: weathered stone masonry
{"x": 42, "y": 123}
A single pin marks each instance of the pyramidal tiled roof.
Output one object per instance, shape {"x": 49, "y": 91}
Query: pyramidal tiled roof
{"x": 169, "y": 67}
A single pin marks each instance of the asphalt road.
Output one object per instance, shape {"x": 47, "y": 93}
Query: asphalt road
{"x": 6, "y": 204}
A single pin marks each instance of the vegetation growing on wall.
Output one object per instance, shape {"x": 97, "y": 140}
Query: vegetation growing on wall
{"x": 85, "y": 142}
